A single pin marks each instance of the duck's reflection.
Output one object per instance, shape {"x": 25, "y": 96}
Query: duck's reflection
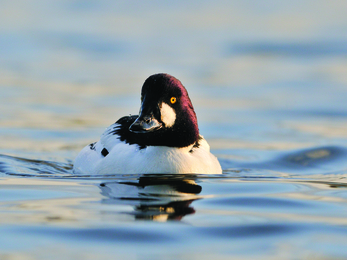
{"x": 154, "y": 198}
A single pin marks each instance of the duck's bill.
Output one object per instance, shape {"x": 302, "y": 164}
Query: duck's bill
{"x": 145, "y": 125}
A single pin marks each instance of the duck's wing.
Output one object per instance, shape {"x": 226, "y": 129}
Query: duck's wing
{"x": 94, "y": 153}
{"x": 118, "y": 132}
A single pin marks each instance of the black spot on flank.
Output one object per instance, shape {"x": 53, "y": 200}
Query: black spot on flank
{"x": 92, "y": 146}
{"x": 196, "y": 145}
{"x": 104, "y": 152}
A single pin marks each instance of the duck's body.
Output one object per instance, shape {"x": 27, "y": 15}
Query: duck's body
{"x": 111, "y": 155}
{"x": 164, "y": 138}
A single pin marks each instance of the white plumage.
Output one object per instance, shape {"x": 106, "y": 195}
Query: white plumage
{"x": 125, "y": 158}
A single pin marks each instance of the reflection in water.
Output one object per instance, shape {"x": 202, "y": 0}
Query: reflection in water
{"x": 236, "y": 212}
{"x": 154, "y": 198}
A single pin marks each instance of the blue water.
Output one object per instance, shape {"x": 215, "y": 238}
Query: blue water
{"x": 269, "y": 86}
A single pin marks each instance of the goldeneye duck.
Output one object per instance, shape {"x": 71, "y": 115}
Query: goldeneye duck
{"x": 163, "y": 138}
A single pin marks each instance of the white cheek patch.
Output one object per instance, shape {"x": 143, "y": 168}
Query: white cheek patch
{"x": 168, "y": 115}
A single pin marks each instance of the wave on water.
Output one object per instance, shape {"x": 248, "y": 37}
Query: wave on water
{"x": 311, "y": 163}
{"x": 303, "y": 163}
{"x": 25, "y": 167}
{"x": 326, "y": 160}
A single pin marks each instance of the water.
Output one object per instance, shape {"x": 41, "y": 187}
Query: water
{"x": 268, "y": 83}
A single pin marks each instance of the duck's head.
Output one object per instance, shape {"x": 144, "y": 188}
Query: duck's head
{"x": 166, "y": 113}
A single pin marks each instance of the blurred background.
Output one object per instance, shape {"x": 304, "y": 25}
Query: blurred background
{"x": 268, "y": 80}
{"x": 262, "y": 75}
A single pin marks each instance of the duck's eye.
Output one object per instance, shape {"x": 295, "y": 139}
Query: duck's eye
{"x": 173, "y": 100}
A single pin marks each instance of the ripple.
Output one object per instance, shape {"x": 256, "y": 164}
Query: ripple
{"x": 244, "y": 231}
{"x": 309, "y": 161}
{"x": 119, "y": 234}
{"x": 13, "y": 165}
{"x": 258, "y": 202}
{"x": 313, "y": 157}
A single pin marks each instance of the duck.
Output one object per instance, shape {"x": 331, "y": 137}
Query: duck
{"x": 163, "y": 138}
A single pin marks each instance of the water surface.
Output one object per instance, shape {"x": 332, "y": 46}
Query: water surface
{"x": 268, "y": 83}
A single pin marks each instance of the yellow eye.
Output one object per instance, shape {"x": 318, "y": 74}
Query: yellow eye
{"x": 173, "y": 100}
